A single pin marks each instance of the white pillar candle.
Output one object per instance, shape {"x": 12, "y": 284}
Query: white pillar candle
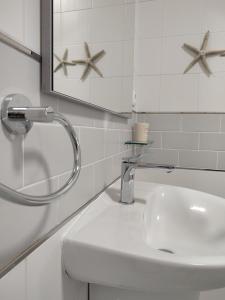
{"x": 140, "y": 132}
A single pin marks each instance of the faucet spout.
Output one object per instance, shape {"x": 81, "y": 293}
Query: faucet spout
{"x": 129, "y": 165}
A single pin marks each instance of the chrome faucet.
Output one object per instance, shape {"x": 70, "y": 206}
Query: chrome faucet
{"x": 128, "y": 173}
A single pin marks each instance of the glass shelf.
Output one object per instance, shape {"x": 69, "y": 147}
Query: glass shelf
{"x": 136, "y": 143}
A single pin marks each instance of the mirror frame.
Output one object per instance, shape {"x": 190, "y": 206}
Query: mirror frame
{"x": 47, "y": 61}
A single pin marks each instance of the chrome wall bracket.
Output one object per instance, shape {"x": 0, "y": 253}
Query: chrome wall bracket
{"x": 15, "y": 125}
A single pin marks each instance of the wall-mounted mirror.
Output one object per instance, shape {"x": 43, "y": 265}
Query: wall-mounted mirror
{"x": 107, "y": 32}
{"x": 88, "y": 51}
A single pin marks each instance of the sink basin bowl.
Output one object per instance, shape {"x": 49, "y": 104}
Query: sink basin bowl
{"x": 186, "y": 222}
{"x": 170, "y": 239}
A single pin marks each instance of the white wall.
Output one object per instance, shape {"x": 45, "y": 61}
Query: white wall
{"x": 42, "y": 160}
{"x": 41, "y": 276}
{"x": 163, "y": 26}
{"x": 107, "y": 25}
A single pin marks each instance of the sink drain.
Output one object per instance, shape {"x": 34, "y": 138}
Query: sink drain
{"x": 167, "y": 251}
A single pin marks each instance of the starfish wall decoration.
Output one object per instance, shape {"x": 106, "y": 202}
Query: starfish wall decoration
{"x": 63, "y": 62}
{"x": 200, "y": 56}
{"x": 90, "y": 62}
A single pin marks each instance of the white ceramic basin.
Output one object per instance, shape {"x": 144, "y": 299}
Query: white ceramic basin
{"x": 118, "y": 245}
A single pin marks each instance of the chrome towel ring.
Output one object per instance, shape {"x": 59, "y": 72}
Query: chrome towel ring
{"x": 17, "y": 116}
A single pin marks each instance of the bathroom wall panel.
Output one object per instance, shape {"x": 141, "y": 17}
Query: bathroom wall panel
{"x": 45, "y": 276}
{"x": 21, "y": 225}
{"x": 47, "y": 153}
{"x": 13, "y": 285}
{"x": 163, "y": 30}
{"x": 78, "y": 195}
{"x": 198, "y": 139}
{"x": 43, "y": 161}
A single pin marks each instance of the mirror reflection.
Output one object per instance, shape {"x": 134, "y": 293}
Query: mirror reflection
{"x": 178, "y": 64}
{"x": 93, "y": 52}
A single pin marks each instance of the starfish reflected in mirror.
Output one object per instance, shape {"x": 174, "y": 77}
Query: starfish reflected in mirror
{"x": 90, "y": 62}
{"x": 201, "y": 55}
{"x": 63, "y": 62}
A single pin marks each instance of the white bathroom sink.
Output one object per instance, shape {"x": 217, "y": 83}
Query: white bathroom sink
{"x": 171, "y": 239}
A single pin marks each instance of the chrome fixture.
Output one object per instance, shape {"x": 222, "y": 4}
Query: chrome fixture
{"x": 18, "y": 115}
{"x": 128, "y": 173}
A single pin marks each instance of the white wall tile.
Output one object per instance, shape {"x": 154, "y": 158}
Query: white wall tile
{"x": 32, "y": 25}
{"x": 11, "y": 159}
{"x": 112, "y": 142}
{"x": 147, "y": 93}
{"x": 57, "y": 33}
{"x": 25, "y": 224}
{"x": 180, "y": 140}
{"x": 80, "y": 193}
{"x": 92, "y": 145}
{"x": 13, "y": 285}
{"x": 164, "y": 122}
{"x": 107, "y": 92}
{"x": 103, "y": 174}
{"x": 77, "y": 113}
{"x": 21, "y": 75}
{"x": 57, "y": 5}
{"x": 127, "y": 94}
{"x": 70, "y": 5}
{"x": 182, "y": 17}
{"x": 75, "y": 19}
{"x": 214, "y": 15}
{"x": 106, "y": 24}
{"x": 47, "y": 152}
{"x": 217, "y": 41}
{"x": 44, "y": 272}
{"x": 128, "y": 58}
{"x": 111, "y": 65}
{"x": 179, "y": 93}
{"x": 148, "y": 57}
{"x": 200, "y": 123}
{"x": 212, "y": 141}
{"x": 97, "y": 3}
{"x": 12, "y": 18}
{"x": 160, "y": 156}
{"x": 46, "y": 278}
{"x": 84, "y": 4}
{"x": 72, "y": 87}
{"x": 129, "y": 22}
{"x": 198, "y": 159}
{"x": 212, "y": 93}
{"x": 149, "y": 19}
{"x": 174, "y": 58}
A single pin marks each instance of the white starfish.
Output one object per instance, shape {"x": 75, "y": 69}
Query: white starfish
{"x": 90, "y": 62}
{"x": 200, "y": 56}
{"x": 63, "y": 63}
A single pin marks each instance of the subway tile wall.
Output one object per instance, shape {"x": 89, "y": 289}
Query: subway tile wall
{"x": 186, "y": 140}
{"x": 40, "y": 275}
{"x": 160, "y": 60}
{"x": 41, "y": 161}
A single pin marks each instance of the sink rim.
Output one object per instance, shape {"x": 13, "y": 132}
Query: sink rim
{"x": 212, "y": 261}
